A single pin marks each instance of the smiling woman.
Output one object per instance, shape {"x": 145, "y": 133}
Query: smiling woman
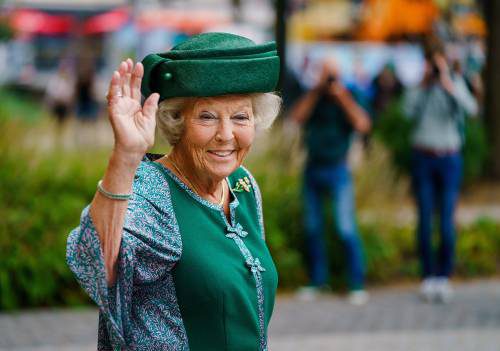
{"x": 218, "y": 134}
{"x": 172, "y": 249}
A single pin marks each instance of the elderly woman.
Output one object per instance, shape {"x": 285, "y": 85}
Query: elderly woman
{"x": 172, "y": 248}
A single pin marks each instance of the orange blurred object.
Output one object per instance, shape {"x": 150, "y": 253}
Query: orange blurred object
{"x": 383, "y": 19}
{"x": 470, "y": 24}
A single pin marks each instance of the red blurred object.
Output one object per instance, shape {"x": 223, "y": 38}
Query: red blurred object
{"x": 29, "y": 21}
{"x": 106, "y": 22}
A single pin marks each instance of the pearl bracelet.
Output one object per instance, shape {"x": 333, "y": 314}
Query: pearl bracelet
{"x": 111, "y": 195}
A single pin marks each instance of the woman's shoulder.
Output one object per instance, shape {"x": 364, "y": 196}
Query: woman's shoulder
{"x": 150, "y": 211}
{"x": 150, "y": 187}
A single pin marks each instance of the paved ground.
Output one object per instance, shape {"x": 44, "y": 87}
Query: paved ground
{"x": 394, "y": 320}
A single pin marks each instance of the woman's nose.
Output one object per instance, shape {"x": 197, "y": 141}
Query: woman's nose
{"x": 225, "y": 130}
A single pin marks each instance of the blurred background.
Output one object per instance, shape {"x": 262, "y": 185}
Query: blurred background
{"x": 56, "y": 59}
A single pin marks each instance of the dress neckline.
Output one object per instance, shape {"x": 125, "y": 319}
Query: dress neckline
{"x": 232, "y": 204}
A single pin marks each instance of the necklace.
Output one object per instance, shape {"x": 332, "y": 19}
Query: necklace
{"x": 223, "y": 193}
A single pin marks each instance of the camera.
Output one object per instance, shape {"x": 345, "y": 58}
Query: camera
{"x": 435, "y": 70}
{"x": 331, "y": 79}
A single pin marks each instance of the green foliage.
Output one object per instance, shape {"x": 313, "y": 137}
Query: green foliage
{"x": 394, "y": 130}
{"x": 478, "y": 249}
{"x": 42, "y": 197}
{"x": 475, "y": 150}
{"x": 19, "y": 104}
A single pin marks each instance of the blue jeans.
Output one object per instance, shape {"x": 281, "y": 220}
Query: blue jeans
{"x": 335, "y": 182}
{"x": 436, "y": 185}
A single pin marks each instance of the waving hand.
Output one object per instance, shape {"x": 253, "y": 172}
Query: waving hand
{"x": 133, "y": 125}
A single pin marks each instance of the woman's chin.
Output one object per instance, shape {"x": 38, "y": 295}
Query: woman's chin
{"x": 222, "y": 166}
{"x": 223, "y": 170}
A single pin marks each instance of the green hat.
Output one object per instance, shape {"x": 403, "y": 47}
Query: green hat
{"x": 212, "y": 64}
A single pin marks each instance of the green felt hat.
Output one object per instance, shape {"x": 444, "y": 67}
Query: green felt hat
{"x": 212, "y": 64}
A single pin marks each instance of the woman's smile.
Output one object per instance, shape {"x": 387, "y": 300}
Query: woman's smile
{"x": 222, "y": 154}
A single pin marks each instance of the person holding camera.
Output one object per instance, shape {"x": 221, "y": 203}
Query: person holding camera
{"x": 438, "y": 107}
{"x": 330, "y": 115}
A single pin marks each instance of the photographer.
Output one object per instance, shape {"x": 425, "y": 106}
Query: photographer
{"x": 330, "y": 115}
{"x": 438, "y": 107}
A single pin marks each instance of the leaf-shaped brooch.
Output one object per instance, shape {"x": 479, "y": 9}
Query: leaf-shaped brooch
{"x": 243, "y": 184}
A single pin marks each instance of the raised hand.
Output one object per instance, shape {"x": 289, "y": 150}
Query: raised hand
{"x": 133, "y": 125}
{"x": 444, "y": 73}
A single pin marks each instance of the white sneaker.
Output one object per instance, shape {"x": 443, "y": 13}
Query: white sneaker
{"x": 428, "y": 290}
{"x": 308, "y": 293}
{"x": 444, "y": 290}
{"x": 358, "y": 297}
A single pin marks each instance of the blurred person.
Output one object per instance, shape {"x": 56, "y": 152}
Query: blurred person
{"x": 87, "y": 107}
{"x": 330, "y": 115}
{"x": 59, "y": 94}
{"x": 474, "y": 69}
{"x": 438, "y": 107}
{"x": 386, "y": 88}
{"x": 472, "y": 76}
{"x": 172, "y": 248}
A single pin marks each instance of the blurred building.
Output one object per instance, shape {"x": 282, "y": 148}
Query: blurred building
{"x": 47, "y": 32}
{"x": 103, "y": 32}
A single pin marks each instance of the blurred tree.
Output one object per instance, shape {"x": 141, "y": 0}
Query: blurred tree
{"x": 492, "y": 102}
{"x": 280, "y": 32}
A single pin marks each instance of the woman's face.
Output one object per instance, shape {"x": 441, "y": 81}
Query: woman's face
{"x": 218, "y": 134}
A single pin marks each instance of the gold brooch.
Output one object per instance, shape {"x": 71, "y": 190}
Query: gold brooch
{"x": 243, "y": 184}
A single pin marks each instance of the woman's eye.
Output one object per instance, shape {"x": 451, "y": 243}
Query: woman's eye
{"x": 207, "y": 116}
{"x": 241, "y": 117}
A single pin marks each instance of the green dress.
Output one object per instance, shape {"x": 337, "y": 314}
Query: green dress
{"x": 188, "y": 277}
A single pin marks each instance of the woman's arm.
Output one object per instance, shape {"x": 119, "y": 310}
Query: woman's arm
{"x": 108, "y": 215}
{"x": 356, "y": 115}
{"x": 301, "y": 111}
{"x": 133, "y": 129}
{"x": 456, "y": 87}
{"x": 464, "y": 97}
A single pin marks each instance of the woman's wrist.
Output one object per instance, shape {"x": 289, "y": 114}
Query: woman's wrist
{"x": 126, "y": 157}
{"x": 120, "y": 172}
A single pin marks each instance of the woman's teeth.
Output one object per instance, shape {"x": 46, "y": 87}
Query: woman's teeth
{"x": 222, "y": 153}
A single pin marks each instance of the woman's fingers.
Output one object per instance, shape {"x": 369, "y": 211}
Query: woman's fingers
{"x": 122, "y": 69}
{"x": 115, "y": 89}
{"x": 135, "y": 84}
{"x": 127, "y": 77}
{"x": 151, "y": 105}
{"x": 114, "y": 93}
